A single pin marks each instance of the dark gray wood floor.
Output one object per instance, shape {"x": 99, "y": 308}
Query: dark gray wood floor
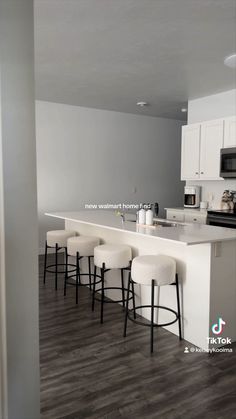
{"x": 89, "y": 370}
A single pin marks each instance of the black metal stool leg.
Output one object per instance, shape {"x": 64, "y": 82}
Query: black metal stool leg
{"x": 123, "y": 287}
{"x": 102, "y": 298}
{"x": 77, "y": 276}
{"x": 79, "y": 269}
{"x": 127, "y": 307}
{"x": 94, "y": 286}
{"x": 133, "y": 300}
{"x": 45, "y": 262}
{"x": 66, "y": 273}
{"x": 152, "y": 313}
{"x": 89, "y": 269}
{"x": 178, "y": 306}
{"x": 56, "y": 256}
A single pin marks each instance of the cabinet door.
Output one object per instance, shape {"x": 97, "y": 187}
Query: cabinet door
{"x": 199, "y": 219}
{"x": 211, "y": 143}
{"x": 230, "y": 132}
{"x": 190, "y": 153}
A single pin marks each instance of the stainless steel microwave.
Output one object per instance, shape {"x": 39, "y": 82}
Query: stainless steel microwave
{"x": 228, "y": 162}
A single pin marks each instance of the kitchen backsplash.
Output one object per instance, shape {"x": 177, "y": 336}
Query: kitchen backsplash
{"x": 212, "y": 191}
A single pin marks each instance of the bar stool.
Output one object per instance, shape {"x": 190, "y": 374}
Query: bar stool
{"x": 153, "y": 270}
{"x": 80, "y": 247}
{"x": 107, "y": 257}
{"x": 56, "y": 239}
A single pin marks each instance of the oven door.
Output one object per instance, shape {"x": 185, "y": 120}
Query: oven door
{"x": 220, "y": 221}
{"x": 228, "y": 162}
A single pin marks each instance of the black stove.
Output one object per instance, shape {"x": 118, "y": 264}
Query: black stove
{"x": 222, "y": 218}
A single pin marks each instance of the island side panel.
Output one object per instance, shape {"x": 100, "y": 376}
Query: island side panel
{"x": 196, "y": 288}
{"x": 193, "y": 266}
{"x": 223, "y": 288}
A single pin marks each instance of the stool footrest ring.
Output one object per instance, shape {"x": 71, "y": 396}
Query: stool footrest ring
{"x": 113, "y": 288}
{"x": 155, "y": 324}
{"x": 82, "y": 284}
{"x": 60, "y": 271}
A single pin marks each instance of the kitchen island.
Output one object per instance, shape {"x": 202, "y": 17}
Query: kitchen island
{"x": 206, "y": 264}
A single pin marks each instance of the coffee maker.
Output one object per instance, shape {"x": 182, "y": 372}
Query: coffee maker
{"x": 191, "y": 196}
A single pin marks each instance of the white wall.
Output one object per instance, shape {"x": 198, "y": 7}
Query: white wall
{"x": 203, "y": 109}
{"x": 3, "y": 346}
{"x": 96, "y": 156}
{"x": 19, "y": 238}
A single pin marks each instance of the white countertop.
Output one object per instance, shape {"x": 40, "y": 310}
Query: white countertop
{"x": 187, "y": 234}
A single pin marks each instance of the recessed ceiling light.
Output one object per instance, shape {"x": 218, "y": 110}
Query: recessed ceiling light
{"x": 184, "y": 110}
{"x": 142, "y": 104}
{"x": 230, "y": 61}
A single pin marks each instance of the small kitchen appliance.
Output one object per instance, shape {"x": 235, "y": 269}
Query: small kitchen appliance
{"x": 191, "y": 196}
{"x": 228, "y": 162}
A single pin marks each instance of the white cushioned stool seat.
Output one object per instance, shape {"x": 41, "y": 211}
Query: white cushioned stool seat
{"x": 60, "y": 237}
{"x": 83, "y": 244}
{"x": 161, "y": 268}
{"x": 115, "y": 256}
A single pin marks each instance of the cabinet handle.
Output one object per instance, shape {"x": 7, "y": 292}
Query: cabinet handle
{"x": 174, "y": 216}
{"x": 194, "y": 219}
{"x": 196, "y": 173}
{"x": 202, "y": 173}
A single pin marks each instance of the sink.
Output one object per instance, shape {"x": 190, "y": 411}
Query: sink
{"x": 161, "y": 223}
{"x": 164, "y": 224}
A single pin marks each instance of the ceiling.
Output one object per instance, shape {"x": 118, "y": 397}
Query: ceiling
{"x": 109, "y": 54}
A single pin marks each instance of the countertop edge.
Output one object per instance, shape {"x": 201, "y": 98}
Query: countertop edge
{"x": 139, "y": 233}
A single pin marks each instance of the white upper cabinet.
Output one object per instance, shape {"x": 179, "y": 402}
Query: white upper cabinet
{"x": 201, "y": 144}
{"x": 190, "y": 153}
{"x": 212, "y": 135}
{"x": 230, "y": 132}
